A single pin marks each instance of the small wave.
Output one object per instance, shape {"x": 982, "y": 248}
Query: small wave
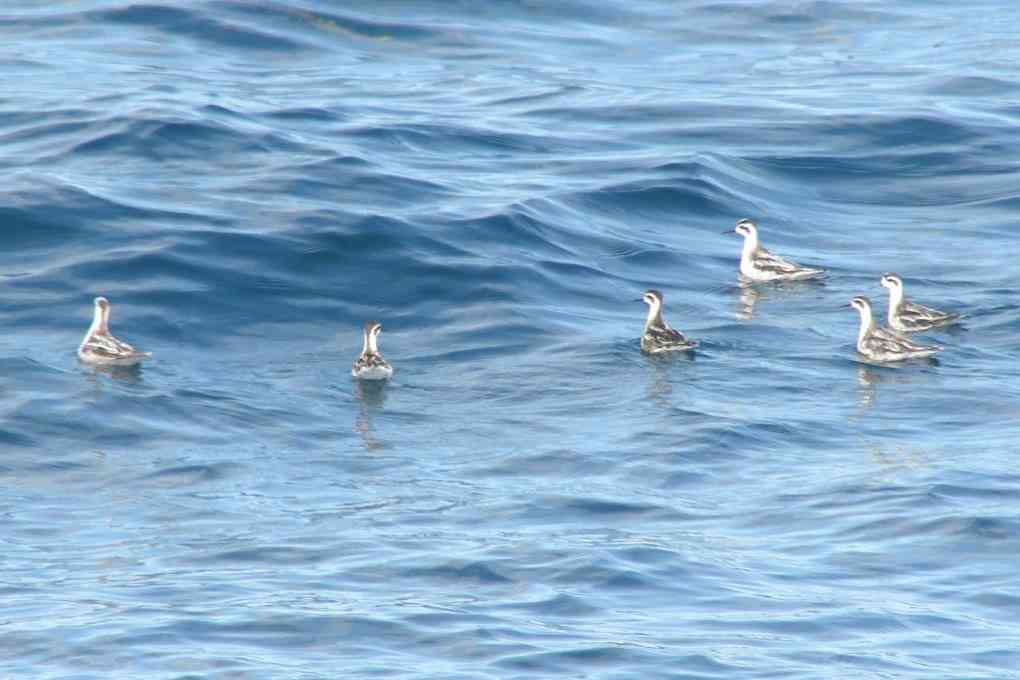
{"x": 973, "y": 86}
{"x": 651, "y": 198}
{"x": 479, "y": 572}
{"x": 191, "y": 23}
{"x": 187, "y": 475}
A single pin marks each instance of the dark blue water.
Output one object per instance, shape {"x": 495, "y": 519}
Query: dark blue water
{"x": 497, "y": 182}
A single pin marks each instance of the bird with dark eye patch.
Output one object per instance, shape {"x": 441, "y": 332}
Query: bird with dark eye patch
{"x": 658, "y": 336}
{"x": 100, "y": 346}
{"x": 759, "y": 264}
{"x": 910, "y": 317}
{"x": 883, "y": 344}
{"x": 370, "y": 364}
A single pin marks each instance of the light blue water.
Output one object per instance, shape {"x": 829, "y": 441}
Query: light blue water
{"x": 530, "y": 496}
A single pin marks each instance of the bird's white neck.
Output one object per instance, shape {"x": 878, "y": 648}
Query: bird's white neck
{"x": 895, "y": 298}
{"x": 368, "y": 344}
{"x": 867, "y": 324}
{"x": 100, "y": 321}
{"x": 750, "y": 245}
{"x": 654, "y": 315}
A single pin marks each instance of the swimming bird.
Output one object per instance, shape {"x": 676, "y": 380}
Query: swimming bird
{"x": 100, "y": 347}
{"x": 883, "y": 344}
{"x": 370, "y": 364}
{"x": 758, "y": 264}
{"x": 907, "y": 316}
{"x": 658, "y": 336}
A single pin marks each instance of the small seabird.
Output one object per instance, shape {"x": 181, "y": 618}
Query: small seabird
{"x": 658, "y": 336}
{"x": 909, "y": 317}
{"x": 100, "y": 347}
{"x": 758, "y": 264}
{"x": 883, "y": 344}
{"x": 370, "y": 364}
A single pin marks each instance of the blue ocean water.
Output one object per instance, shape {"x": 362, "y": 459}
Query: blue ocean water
{"x": 248, "y": 181}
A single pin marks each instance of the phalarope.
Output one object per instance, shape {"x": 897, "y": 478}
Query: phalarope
{"x": 758, "y": 264}
{"x": 910, "y": 317}
{"x": 882, "y": 344}
{"x": 658, "y": 336}
{"x": 370, "y": 364}
{"x": 100, "y": 347}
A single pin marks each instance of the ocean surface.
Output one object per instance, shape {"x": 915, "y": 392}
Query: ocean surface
{"x": 497, "y": 182}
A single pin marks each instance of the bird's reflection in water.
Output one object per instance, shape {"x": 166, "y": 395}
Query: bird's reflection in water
{"x": 660, "y": 388}
{"x": 748, "y": 298}
{"x": 891, "y": 456}
{"x": 870, "y": 376}
{"x": 899, "y": 458}
{"x": 867, "y": 382}
{"x": 371, "y": 396}
{"x": 750, "y": 294}
{"x": 130, "y": 375}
